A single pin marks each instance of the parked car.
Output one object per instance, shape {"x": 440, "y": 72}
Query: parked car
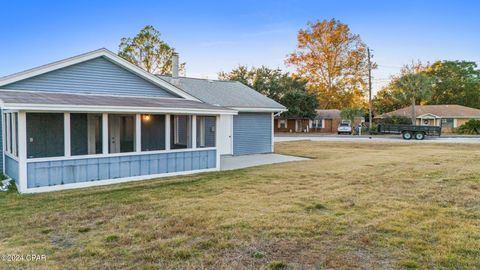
{"x": 344, "y": 128}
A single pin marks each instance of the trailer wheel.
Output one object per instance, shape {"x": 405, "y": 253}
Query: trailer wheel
{"x": 419, "y": 136}
{"x": 407, "y": 135}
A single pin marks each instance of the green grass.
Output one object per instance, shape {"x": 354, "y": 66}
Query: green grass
{"x": 369, "y": 206}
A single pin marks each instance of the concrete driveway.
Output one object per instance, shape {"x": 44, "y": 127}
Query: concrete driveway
{"x": 239, "y": 162}
{"x": 347, "y": 138}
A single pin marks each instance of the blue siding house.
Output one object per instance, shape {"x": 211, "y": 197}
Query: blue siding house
{"x": 96, "y": 119}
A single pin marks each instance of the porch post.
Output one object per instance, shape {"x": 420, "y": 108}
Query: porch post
{"x": 194, "y": 131}
{"x": 105, "y": 140}
{"x": 167, "y": 132}
{"x": 273, "y": 133}
{"x": 9, "y": 118}
{"x": 22, "y": 151}
{"x": 138, "y": 133}
{"x": 217, "y": 149}
{"x": 66, "y": 134}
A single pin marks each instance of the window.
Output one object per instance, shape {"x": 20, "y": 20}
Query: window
{"x": 45, "y": 135}
{"x": 153, "y": 132}
{"x": 317, "y": 123}
{"x": 11, "y": 133}
{"x": 121, "y": 133}
{"x": 181, "y": 131}
{"x": 206, "y": 131}
{"x": 282, "y": 123}
{"x": 447, "y": 122}
{"x": 85, "y": 134}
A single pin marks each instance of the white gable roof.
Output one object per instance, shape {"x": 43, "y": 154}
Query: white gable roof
{"x": 92, "y": 55}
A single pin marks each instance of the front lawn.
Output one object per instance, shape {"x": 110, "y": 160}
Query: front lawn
{"x": 354, "y": 205}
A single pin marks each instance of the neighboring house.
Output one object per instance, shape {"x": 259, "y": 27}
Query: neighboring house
{"x": 325, "y": 121}
{"x": 447, "y": 116}
{"x": 96, "y": 119}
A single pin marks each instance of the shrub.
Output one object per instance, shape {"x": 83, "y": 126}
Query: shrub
{"x": 472, "y": 126}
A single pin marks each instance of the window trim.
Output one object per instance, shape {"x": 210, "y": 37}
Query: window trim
{"x": 280, "y": 121}
{"x": 315, "y": 122}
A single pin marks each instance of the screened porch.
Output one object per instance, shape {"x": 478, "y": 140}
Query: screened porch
{"x": 78, "y": 148}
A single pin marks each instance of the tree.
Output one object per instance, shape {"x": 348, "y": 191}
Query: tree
{"x": 452, "y": 82}
{"x": 334, "y": 62}
{"x": 300, "y": 104}
{"x": 455, "y": 82}
{"x": 272, "y": 83}
{"x": 351, "y": 113}
{"x": 385, "y": 100}
{"x": 148, "y": 51}
{"x": 411, "y": 87}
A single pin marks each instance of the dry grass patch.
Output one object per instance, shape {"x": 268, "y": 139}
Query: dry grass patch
{"x": 359, "y": 205}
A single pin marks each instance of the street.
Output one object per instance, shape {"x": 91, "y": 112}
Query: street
{"x": 366, "y": 138}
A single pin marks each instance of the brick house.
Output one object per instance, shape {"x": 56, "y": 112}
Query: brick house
{"x": 449, "y": 116}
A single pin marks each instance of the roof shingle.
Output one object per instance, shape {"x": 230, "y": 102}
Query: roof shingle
{"x": 444, "y": 111}
{"x": 44, "y": 98}
{"x": 223, "y": 93}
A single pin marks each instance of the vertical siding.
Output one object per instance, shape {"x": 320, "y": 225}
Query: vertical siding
{"x": 252, "y": 133}
{"x": 97, "y": 76}
{"x": 11, "y": 168}
{"x": 50, "y": 173}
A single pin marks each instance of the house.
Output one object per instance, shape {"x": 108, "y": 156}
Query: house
{"x": 325, "y": 121}
{"x": 97, "y": 119}
{"x": 448, "y": 116}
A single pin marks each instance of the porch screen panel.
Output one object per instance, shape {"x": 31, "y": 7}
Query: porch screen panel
{"x": 15, "y": 137}
{"x": 206, "y": 128}
{"x": 181, "y": 132}
{"x": 121, "y": 133}
{"x": 45, "y": 135}
{"x": 85, "y": 133}
{"x": 153, "y": 132}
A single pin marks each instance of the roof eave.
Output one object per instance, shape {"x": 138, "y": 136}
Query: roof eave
{"x": 258, "y": 109}
{"x": 99, "y": 108}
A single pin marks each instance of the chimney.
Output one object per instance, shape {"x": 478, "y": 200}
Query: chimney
{"x": 174, "y": 65}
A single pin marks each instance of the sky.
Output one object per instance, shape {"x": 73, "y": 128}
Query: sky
{"x": 213, "y": 36}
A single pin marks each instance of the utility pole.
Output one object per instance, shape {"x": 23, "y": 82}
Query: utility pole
{"x": 369, "y": 90}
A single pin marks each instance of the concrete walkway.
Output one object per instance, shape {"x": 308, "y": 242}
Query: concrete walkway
{"x": 239, "y": 162}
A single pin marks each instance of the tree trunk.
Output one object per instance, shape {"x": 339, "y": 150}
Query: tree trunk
{"x": 414, "y": 117}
